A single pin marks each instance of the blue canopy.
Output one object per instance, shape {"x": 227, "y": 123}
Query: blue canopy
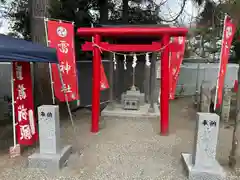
{"x": 13, "y": 49}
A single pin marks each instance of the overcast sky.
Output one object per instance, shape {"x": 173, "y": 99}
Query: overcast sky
{"x": 169, "y": 10}
{"x": 172, "y": 8}
{"x": 3, "y": 23}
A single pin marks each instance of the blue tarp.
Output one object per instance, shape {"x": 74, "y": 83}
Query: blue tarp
{"x": 13, "y": 49}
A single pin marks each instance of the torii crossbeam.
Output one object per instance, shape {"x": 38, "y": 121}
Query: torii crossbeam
{"x": 164, "y": 33}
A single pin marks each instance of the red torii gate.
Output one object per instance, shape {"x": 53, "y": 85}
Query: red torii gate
{"x": 162, "y": 32}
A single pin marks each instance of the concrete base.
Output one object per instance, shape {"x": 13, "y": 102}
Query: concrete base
{"x": 215, "y": 172}
{"x": 119, "y": 113}
{"x": 50, "y": 162}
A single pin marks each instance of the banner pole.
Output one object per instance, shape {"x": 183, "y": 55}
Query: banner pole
{"x": 65, "y": 94}
{"x": 68, "y": 106}
{"x": 77, "y": 73}
{"x": 219, "y": 71}
{"x": 13, "y": 109}
{"x": 49, "y": 64}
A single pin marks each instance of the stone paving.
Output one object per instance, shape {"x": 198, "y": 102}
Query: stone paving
{"x": 124, "y": 150}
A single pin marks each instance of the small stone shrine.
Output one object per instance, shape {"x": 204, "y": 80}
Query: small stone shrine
{"x": 52, "y": 156}
{"x": 132, "y": 99}
{"x": 133, "y": 103}
{"x": 202, "y": 163}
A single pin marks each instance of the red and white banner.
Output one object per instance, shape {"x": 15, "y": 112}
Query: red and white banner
{"x": 228, "y": 34}
{"x": 177, "y": 49}
{"x": 23, "y": 103}
{"x": 104, "y": 82}
{"x": 61, "y": 37}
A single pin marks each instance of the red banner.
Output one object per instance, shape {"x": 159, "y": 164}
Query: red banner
{"x": 228, "y": 34}
{"x": 176, "y": 58}
{"x": 23, "y": 103}
{"x": 235, "y": 87}
{"x": 104, "y": 82}
{"x": 61, "y": 37}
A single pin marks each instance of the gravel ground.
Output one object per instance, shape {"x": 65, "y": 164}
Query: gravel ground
{"x": 124, "y": 149}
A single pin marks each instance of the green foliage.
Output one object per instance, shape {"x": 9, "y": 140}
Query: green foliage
{"x": 137, "y": 15}
{"x": 76, "y": 11}
{"x": 80, "y": 12}
{"x": 236, "y": 43}
{"x": 199, "y": 2}
{"x": 72, "y": 10}
{"x": 211, "y": 22}
{"x": 19, "y": 17}
{"x": 210, "y": 15}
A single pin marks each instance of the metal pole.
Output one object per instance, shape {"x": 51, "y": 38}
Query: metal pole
{"x": 77, "y": 73}
{"x": 13, "y": 110}
{"x": 96, "y": 85}
{"x": 164, "y": 118}
{"x": 49, "y": 64}
{"x": 65, "y": 95}
{"x": 68, "y": 106}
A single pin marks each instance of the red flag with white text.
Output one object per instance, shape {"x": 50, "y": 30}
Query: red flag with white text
{"x": 177, "y": 49}
{"x": 23, "y": 103}
{"x": 61, "y": 37}
{"x": 104, "y": 82}
{"x": 228, "y": 34}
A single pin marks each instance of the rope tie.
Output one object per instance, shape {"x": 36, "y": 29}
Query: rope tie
{"x": 125, "y": 62}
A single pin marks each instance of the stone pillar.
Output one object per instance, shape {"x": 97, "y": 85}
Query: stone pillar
{"x": 205, "y": 96}
{"x": 152, "y": 82}
{"x": 147, "y": 83}
{"x": 202, "y": 164}
{"x": 226, "y": 105}
{"x": 51, "y": 156}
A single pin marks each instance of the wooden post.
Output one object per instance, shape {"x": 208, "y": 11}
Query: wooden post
{"x": 116, "y": 81}
{"x": 111, "y": 93}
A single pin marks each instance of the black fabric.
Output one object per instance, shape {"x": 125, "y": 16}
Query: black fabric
{"x": 85, "y": 83}
{"x": 13, "y": 49}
